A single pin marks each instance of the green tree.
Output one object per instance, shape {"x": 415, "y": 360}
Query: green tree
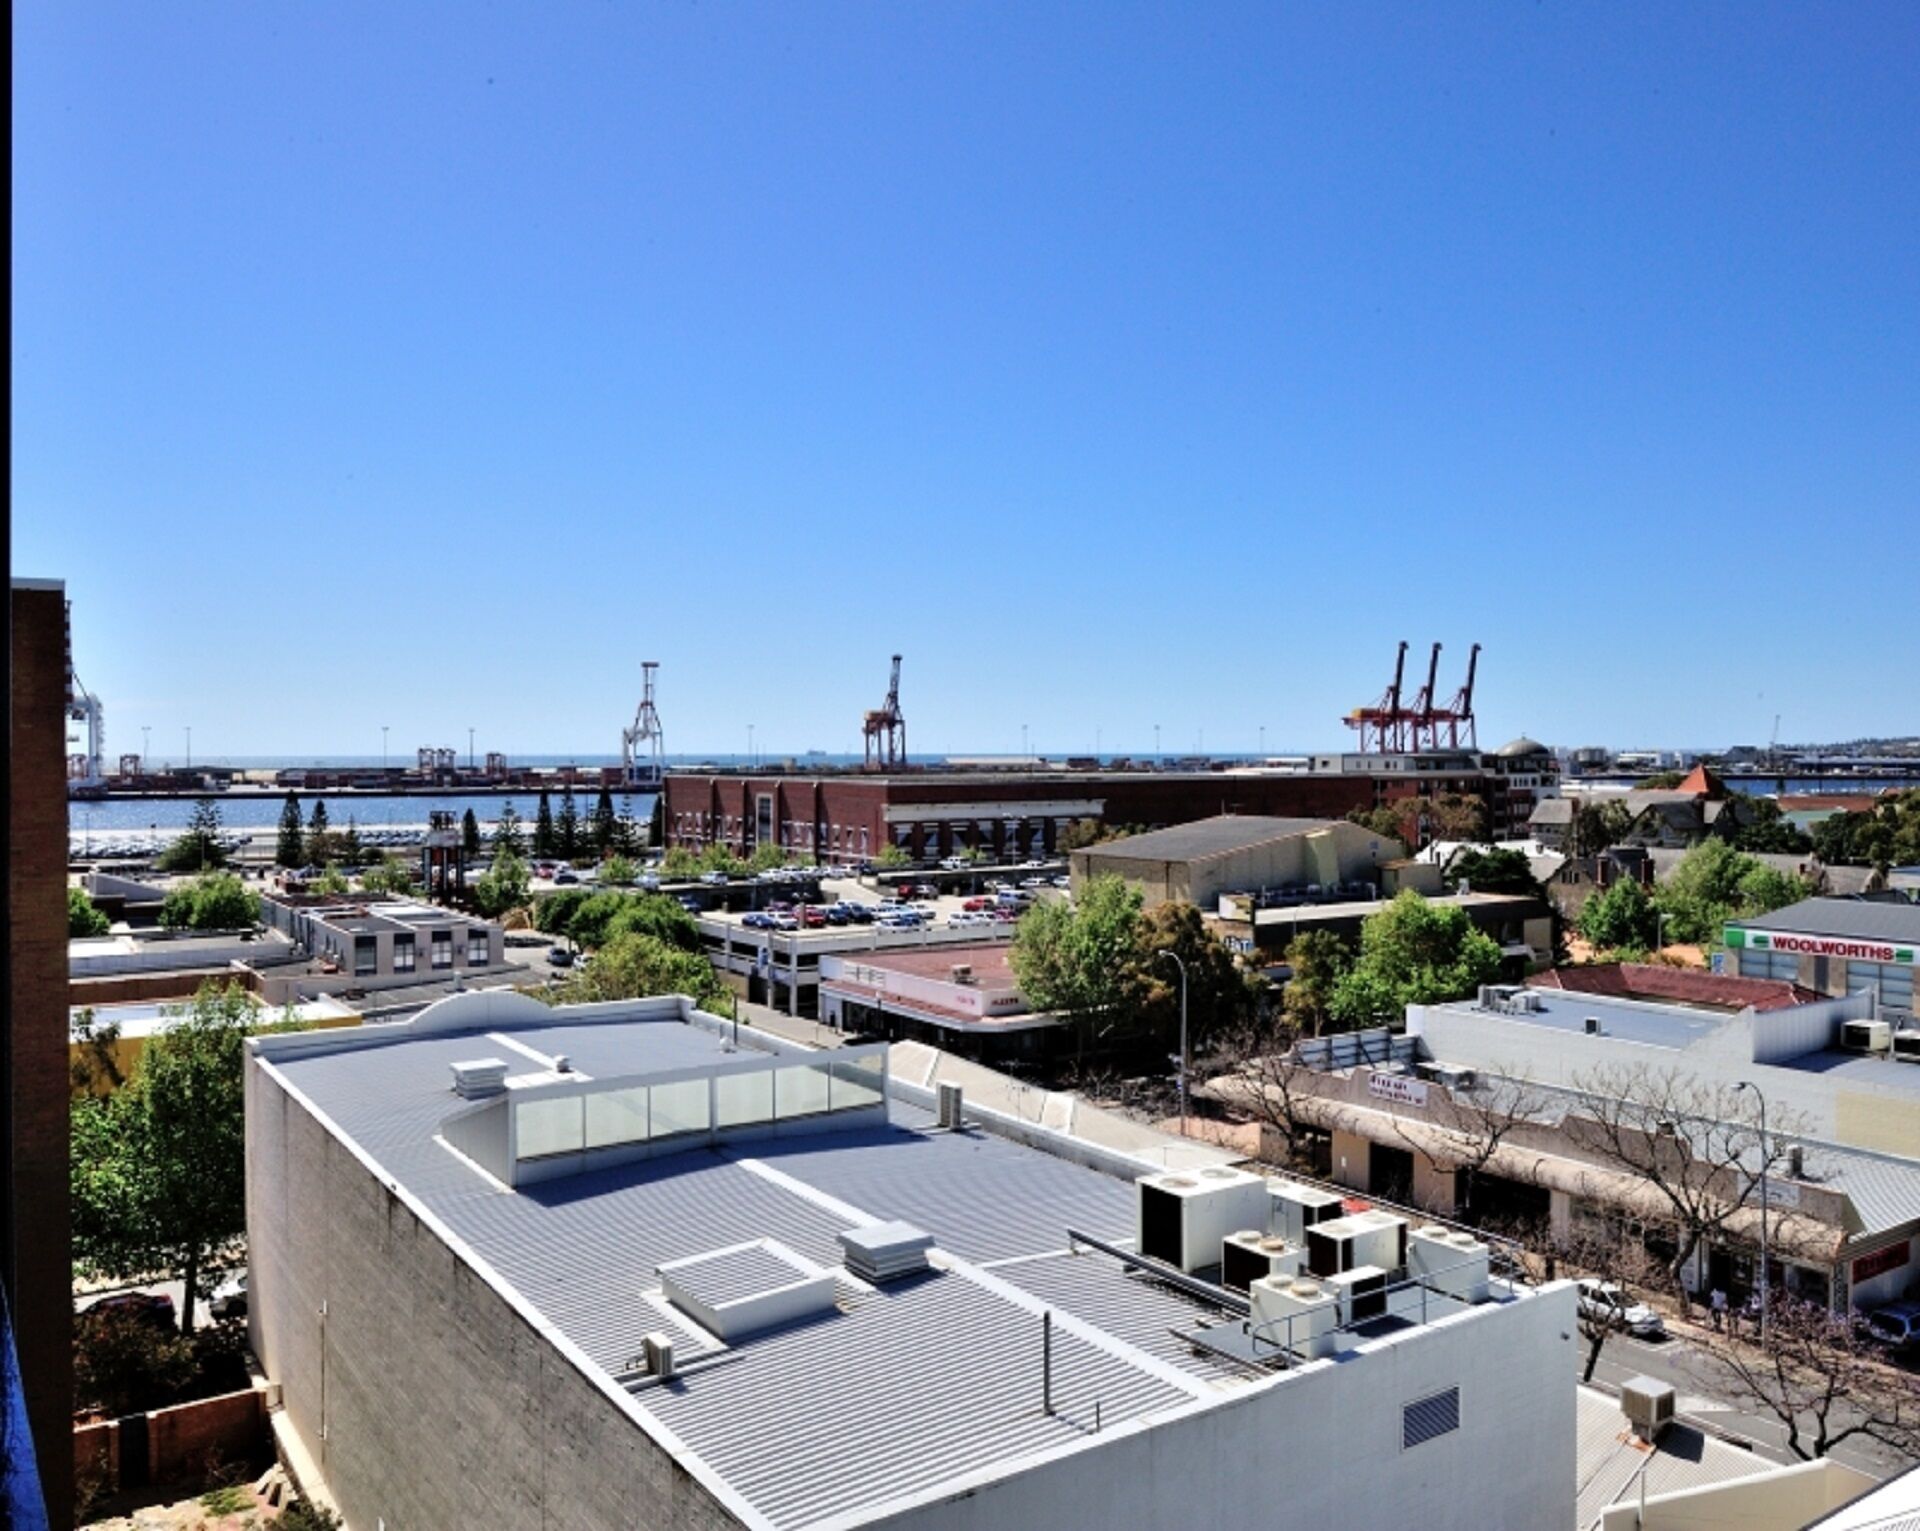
{"x": 628, "y": 838}
{"x": 1596, "y": 826}
{"x": 1620, "y": 917}
{"x": 1495, "y": 871}
{"x": 390, "y": 874}
{"x": 1413, "y": 953}
{"x": 1771, "y": 831}
{"x": 198, "y": 849}
{"x": 1715, "y": 883}
{"x": 679, "y": 862}
{"x": 544, "y": 841}
{"x": 1886, "y": 833}
{"x": 619, "y": 872}
{"x": 718, "y": 858}
{"x": 1662, "y": 781}
{"x": 604, "y": 825}
{"x": 351, "y": 852}
{"x": 507, "y": 834}
{"x": 332, "y": 883}
{"x": 469, "y": 835}
{"x": 1074, "y": 959}
{"x": 1458, "y": 816}
{"x": 654, "y": 914}
{"x": 1319, "y": 959}
{"x": 505, "y": 885}
{"x": 289, "y": 844}
{"x": 634, "y": 966}
{"x": 320, "y": 848}
{"x": 589, "y": 921}
{"x": 892, "y": 858}
{"x": 84, "y": 917}
{"x": 212, "y": 901}
{"x": 1221, "y": 995}
{"x": 766, "y": 857}
{"x": 567, "y": 827}
{"x": 553, "y": 913}
{"x": 159, "y": 1167}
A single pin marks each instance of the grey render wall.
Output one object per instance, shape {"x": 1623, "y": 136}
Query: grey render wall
{"x": 427, "y": 1399}
{"x": 1324, "y": 1448}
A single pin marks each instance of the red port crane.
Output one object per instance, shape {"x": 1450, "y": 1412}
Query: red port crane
{"x": 884, "y": 729}
{"x": 1459, "y": 711}
{"x": 1383, "y": 722}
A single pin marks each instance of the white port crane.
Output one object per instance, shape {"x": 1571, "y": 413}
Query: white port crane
{"x": 643, "y": 747}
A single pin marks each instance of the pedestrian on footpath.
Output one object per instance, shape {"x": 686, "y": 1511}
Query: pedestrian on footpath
{"x": 1717, "y": 1303}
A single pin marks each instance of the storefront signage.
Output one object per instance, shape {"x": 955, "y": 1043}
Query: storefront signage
{"x": 1397, "y": 1088}
{"x": 1799, "y": 945}
{"x": 1881, "y": 1261}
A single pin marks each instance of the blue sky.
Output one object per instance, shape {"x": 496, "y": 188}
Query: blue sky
{"x": 433, "y": 365}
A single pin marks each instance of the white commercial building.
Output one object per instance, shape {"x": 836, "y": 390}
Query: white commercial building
{"x": 610, "y": 1265}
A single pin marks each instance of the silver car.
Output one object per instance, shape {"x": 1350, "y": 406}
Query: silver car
{"x": 1607, "y": 1302}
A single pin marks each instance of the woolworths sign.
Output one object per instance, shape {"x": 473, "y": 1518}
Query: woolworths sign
{"x": 1800, "y": 945}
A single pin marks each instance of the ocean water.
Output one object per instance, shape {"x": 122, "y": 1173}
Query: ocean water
{"x": 263, "y": 812}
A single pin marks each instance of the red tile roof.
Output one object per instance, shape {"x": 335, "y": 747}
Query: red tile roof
{"x": 1687, "y": 986}
{"x": 1702, "y": 783}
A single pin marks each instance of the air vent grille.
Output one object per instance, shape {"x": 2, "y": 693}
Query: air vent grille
{"x": 1425, "y": 1418}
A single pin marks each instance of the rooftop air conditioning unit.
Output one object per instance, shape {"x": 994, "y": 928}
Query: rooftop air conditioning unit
{"x": 1182, "y": 1219}
{"x": 479, "y": 1077}
{"x": 1906, "y": 1045}
{"x": 658, "y": 1349}
{"x": 1361, "y": 1238}
{"x": 1294, "y": 1311}
{"x": 1454, "y": 1076}
{"x": 961, "y": 972}
{"x": 952, "y": 1104}
{"x": 1360, "y": 1294}
{"x": 1251, "y": 1256}
{"x": 1449, "y": 1261}
{"x": 1866, "y": 1036}
{"x": 1293, "y": 1208}
{"x": 1648, "y": 1405}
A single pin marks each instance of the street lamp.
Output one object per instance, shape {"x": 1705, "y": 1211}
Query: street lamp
{"x": 1181, "y": 964}
{"x": 1747, "y": 1084}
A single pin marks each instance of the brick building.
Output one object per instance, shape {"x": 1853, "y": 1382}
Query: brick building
{"x": 35, "y": 1258}
{"x": 848, "y": 817}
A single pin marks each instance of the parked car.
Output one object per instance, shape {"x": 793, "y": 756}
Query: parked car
{"x": 757, "y": 921}
{"x": 155, "y": 1308}
{"x": 230, "y": 1297}
{"x": 564, "y": 879}
{"x": 559, "y": 956}
{"x": 858, "y": 914}
{"x": 785, "y": 922}
{"x": 813, "y": 917}
{"x": 954, "y": 864}
{"x": 977, "y": 903}
{"x": 1604, "y": 1300}
{"x": 837, "y": 915}
{"x": 1033, "y": 882}
{"x": 689, "y": 903}
{"x": 1896, "y": 1326}
{"x": 1063, "y": 881}
{"x": 649, "y": 883}
{"x": 714, "y": 879}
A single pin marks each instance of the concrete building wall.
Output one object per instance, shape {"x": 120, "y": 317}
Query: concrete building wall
{"x": 1337, "y": 854}
{"x": 1323, "y": 1447}
{"x": 35, "y": 1260}
{"x": 426, "y": 1398}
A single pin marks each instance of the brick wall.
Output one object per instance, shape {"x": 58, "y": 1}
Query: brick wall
{"x": 35, "y": 1262}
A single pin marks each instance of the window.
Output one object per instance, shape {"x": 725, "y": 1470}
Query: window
{"x": 740, "y": 1100}
{"x": 550, "y": 1126}
{"x": 1892, "y": 980}
{"x": 679, "y": 1107}
{"x": 443, "y": 948}
{"x": 403, "y": 952}
{"x": 1426, "y": 1418}
{"x": 366, "y": 955}
{"x": 478, "y": 949}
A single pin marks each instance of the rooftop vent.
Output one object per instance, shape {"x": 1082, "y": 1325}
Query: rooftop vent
{"x": 883, "y": 1252}
{"x": 952, "y": 1104}
{"x": 657, "y": 1347}
{"x": 744, "y": 1288}
{"x": 479, "y": 1077}
{"x": 1593, "y": 1025}
{"x": 1796, "y": 1162}
{"x": 562, "y": 1064}
{"x": 961, "y": 972}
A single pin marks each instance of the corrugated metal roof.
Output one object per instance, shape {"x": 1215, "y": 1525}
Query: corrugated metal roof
{"x": 727, "y": 1275}
{"x": 919, "y": 1380}
{"x": 1862, "y": 919}
{"x": 1609, "y": 1463}
{"x": 1205, "y": 838}
{"x": 913, "y": 1385}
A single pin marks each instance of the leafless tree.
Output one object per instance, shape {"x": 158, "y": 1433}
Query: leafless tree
{"x": 1464, "y": 1129}
{"x": 1695, "y": 1145}
{"x": 1256, "y": 1070}
{"x": 1608, "y": 1254}
{"x": 1819, "y": 1373}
